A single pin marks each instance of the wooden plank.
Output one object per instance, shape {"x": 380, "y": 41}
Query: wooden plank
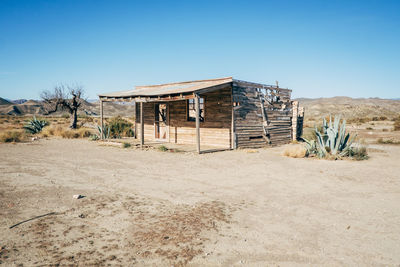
{"x": 197, "y": 109}
{"x": 141, "y": 125}
{"x": 101, "y": 119}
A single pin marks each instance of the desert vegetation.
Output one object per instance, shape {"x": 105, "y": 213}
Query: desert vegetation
{"x": 21, "y": 129}
{"x": 35, "y": 126}
{"x": 64, "y": 97}
{"x": 331, "y": 141}
{"x": 12, "y": 136}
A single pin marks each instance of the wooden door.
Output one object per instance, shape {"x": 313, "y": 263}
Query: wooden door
{"x": 161, "y": 121}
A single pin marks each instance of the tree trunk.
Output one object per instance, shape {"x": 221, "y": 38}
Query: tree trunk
{"x": 74, "y": 118}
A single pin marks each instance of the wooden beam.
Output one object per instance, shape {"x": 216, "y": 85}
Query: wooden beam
{"x": 197, "y": 105}
{"x": 233, "y": 134}
{"x": 101, "y": 120}
{"x": 141, "y": 126}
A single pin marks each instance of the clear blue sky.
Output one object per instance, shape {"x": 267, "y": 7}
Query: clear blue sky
{"x": 317, "y": 48}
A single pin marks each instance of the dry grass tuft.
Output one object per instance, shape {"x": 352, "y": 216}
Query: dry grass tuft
{"x": 396, "y": 125}
{"x": 295, "y": 151}
{"x": 12, "y": 137}
{"x": 66, "y": 133}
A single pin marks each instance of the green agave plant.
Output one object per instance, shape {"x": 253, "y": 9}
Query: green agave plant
{"x": 35, "y": 126}
{"x": 332, "y": 140}
{"x": 106, "y": 131}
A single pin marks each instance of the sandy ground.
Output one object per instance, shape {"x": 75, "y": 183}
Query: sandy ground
{"x": 232, "y": 208}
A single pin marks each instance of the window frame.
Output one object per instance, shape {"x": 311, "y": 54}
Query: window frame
{"x": 193, "y": 119}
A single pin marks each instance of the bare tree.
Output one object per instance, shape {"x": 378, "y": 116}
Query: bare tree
{"x": 64, "y": 97}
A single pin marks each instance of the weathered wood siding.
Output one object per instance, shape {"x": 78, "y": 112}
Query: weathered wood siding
{"x": 249, "y": 119}
{"x": 214, "y": 131}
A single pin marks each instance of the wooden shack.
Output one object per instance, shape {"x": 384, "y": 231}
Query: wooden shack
{"x": 225, "y": 113}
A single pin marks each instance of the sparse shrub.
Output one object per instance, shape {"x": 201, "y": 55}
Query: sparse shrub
{"x": 120, "y": 127}
{"x": 117, "y": 127}
{"x": 93, "y": 137}
{"x": 126, "y": 145}
{"x": 295, "y": 151}
{"x": 385, "y": 130}
{"x": 163, "y": 148}
{"x": 35, "y": 126}
{"x": 65, "y": 116}
{"x": 11, "y": 136}
{"x": 358, "y": 153}
{"x": 388, "y": 141}
{"x": 47, "y": 132}
{"x": 84, "y": 133}
{"x": 382, "y": 118}
{"x": 375, "y": 119}
{"x": 396, "y": 125}
{"x": 66, "y": 133}
{"x": 370, "y": 128}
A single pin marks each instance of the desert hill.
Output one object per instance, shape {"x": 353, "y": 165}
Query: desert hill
{"x": 315, "y": 108}
{"x": 350, "y": 107}
{"x": 4, "y": 102}
{"x": 35, "y": 107}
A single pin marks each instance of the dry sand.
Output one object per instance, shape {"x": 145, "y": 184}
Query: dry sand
{"x": 232, "y": 208}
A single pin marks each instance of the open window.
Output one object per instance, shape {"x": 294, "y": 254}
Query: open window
{"x": 191, "y": 109}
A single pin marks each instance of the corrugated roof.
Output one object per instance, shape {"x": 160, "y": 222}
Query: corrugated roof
{"x": 169, "y": 88}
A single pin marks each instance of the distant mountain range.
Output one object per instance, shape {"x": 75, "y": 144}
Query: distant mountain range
{"x": 314, "y": 107}
{"x": 350, "y": 107}
{"x": 23, "y": 107}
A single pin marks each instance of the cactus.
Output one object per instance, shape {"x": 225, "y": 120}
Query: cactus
{"x": 35, "y": 126}
{"x": 332, "y": 140}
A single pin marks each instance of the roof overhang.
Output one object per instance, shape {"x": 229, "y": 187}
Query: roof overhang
{"x": 180, "y": 90}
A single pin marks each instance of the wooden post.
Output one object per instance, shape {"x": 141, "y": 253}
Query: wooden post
{"x": 101, "y": 119}
{"x": 197, "y": 105}
{"x": 141, "y": 126}
{"x": 233, "y": 135}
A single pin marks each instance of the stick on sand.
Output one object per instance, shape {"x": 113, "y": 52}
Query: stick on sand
{"x": 37, "y": 217}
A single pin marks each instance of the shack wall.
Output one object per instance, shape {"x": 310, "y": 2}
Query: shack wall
{"x": 248, "y": 122}
{"x": 214, "y": 131}
{"x": 248, "y": 118}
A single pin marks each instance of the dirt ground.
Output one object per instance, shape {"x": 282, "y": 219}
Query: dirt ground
{"x": 232, "y": 208}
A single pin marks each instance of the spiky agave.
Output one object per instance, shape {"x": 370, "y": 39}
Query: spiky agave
{"x": 105, "y": 131}
{"x": 332, "y": 140}
{"x": 34, "y": 126}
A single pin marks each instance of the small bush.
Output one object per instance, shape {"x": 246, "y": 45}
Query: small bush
{"x": 385, "y": 130}
{"x": 370, "y": 128}
{"x": 382, "y": 118}
{"x": 295, "y": 151}
{"x": 94, "y": 137}
{"x": 126, "y": 145}
{"x": 163, "y": 148}
{"x": 120, "y": 127}
{"x": 11, "y": 136}
{"x": 65, "y": 116}
{"x": 48, "y": 131}
{"x": 66, "y": 132}
{"x": 358, "y": 153}
{"x": 388, "y": 141}
{"x": 396, "y": 125}
{"x": 80, "y": 133}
